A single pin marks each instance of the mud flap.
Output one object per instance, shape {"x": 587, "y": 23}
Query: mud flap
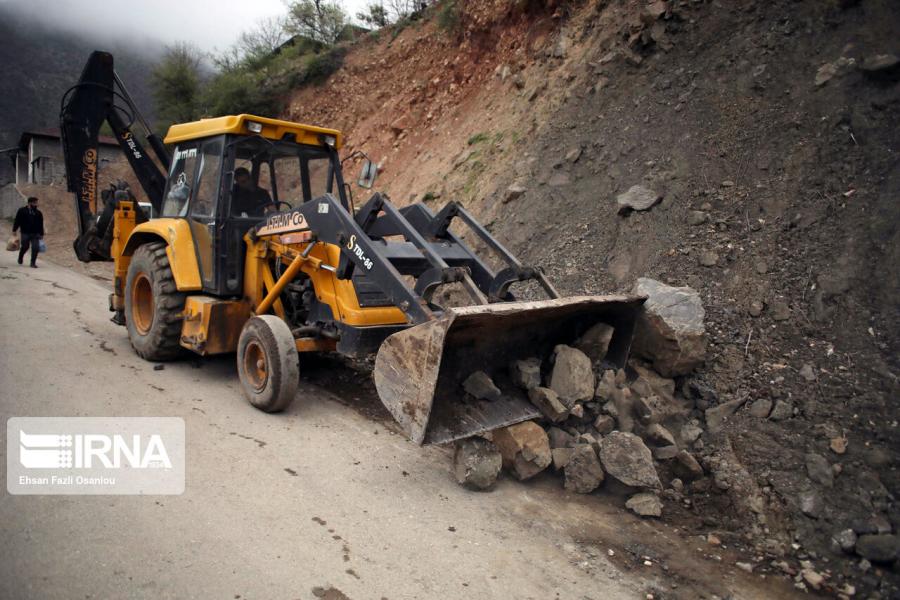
{"x": 419, "y": 371}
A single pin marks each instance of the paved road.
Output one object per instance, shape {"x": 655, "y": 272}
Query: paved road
{"x": 322, "y": 501}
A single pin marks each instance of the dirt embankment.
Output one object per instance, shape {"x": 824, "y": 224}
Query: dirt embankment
{"x": 770, "y": 131}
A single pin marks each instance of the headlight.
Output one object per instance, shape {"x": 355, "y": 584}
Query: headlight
{"x": 254, "y": 126}
{"x": 329, "y": 140}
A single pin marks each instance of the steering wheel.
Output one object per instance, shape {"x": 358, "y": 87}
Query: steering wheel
{"x": 278, "y": 203}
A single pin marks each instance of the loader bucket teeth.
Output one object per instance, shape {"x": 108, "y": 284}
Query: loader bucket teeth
{"x": 419, "y": 371}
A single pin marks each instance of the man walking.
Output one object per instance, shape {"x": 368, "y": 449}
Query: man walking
{"x": 31, "y": 223}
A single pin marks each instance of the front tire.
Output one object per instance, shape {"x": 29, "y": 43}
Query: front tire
{"x": 267, "y": 362}
{"x": 153, "y": 304}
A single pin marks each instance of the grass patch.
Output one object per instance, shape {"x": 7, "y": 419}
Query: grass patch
{"x": 477, "y": 138}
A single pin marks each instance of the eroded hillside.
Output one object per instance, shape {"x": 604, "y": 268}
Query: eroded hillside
{"x": 770, "y": 132}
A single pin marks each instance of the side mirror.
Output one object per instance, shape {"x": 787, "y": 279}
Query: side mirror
{"x": 367, "y": 175}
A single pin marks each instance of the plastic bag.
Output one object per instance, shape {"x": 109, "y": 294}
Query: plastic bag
{"x": 13, "y": 244}
{"x": 42, "y": 246}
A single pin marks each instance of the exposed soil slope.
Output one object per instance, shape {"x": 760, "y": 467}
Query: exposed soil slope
{"x": 774, "y": 145}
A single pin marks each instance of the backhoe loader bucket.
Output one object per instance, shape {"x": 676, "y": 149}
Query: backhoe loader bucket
{"x": 419, "y": 371}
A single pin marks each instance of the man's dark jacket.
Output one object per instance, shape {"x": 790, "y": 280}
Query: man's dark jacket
{"x": 29, "y": 220}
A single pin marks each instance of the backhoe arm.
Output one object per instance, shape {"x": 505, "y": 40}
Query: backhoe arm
{"x": 85, "y": 108}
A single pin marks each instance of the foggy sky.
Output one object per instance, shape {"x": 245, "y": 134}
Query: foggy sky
{"x": 208, "y": 24}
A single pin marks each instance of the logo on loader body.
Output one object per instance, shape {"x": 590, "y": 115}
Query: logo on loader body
{"x": 359, "y": 253}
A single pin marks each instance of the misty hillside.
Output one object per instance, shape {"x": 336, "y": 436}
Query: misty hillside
{"x": 38, "y": 64}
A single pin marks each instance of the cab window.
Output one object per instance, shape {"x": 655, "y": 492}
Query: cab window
{"x": 181, "y": 180}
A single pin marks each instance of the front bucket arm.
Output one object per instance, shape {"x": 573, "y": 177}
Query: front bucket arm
{"x": 419, "y": 371}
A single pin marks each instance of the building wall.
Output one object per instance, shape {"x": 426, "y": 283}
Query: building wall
{"x": 43, "y": 162}
{"x": 10, "y": 201}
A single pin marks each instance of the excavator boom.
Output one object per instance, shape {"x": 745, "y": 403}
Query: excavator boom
{"x": 100, "y": 97}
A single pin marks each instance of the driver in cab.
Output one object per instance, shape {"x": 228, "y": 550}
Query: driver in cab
{"x": 248, "y": 199}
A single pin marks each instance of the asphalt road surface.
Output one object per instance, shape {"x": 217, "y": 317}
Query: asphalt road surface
{"x": 323, "y": 501}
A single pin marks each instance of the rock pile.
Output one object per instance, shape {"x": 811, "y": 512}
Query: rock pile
{"x": 622, "y": 430}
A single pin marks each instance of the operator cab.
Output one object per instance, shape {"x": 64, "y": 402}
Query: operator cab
{"x": 228, "y": 173}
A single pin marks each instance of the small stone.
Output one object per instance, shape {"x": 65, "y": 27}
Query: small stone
{"x": 589, "y": 439}
{"x": 713, "y": 540}
{"x": 525, "y": 449}
{"x": 573, "y": 376}
{"x": 577, "y": 411}
{"x": 561, "y": 457}
{"x": 819, "y": 470}
{"x": 709, "y": 258}
{"x": 882, "y": 548}
{"x": 637, "y": 197}
{"x": 838, "y": 444}
{"x": 812, "y": 578}
{"x": 595, "y": 341}
{"x": 606, "y": 385}
{"x": 811, "y": 504}
{"x": 677, "y": 485}
{"x": 625, "y": 457}
{"x": 559, "y": 438}
{"x": 718, "y": 415}
{"x": 559, "y": 179}
{"x": 624, "y": 404}
{"x": 481, "y": 386}
{"x": 573, "y": 155}
{"x": 880, "y": 63}
{"x": 744, "y": 566}
{"x": 604, "y": 424}
{"x": 761, "y": 408}
{"x": 665, "y": 452}
{"x": 514, "y": 192}
{"x": 691, "y": 431}
{"x": 526, "y": 373}
{"x": 697, "y": 217}
{"x": 583, "y": 472}
{"x": 658, "y": 435}
{"x": 476, "y": 463}
{"x": 756, "y": 308}
{"x": 845, "y": 540}
{"x": 687, "y": 466}
{"x": 548, "y": 403}
{"x": 807, "y": 372}
{"x": 645, "y": 505}
{"x": 783, "y": 410}
{"x": 781, "y": 311}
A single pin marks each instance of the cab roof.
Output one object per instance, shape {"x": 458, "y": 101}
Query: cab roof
{"x": 273, "y": 129}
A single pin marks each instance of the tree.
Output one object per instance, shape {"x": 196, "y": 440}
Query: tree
{"x": 175, "y": 84}
{"x": 257, "y": 44}
{"x": 320, "y": 20}
{"x": 375, "y": 15}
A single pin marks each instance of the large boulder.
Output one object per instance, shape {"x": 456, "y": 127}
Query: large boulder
{"x": 625, "y": 458}
{"x": 572, "y": 376}
{"x": 525, "y": 449}
{"x": 583, "y": 471}
{"x": 476, "y": 463}
{"x": 670, "y": 331}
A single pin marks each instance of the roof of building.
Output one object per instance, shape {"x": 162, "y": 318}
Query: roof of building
{"x": 53, "y": 133}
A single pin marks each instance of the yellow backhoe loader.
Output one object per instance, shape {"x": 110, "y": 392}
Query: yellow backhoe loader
{"x": 251, "y": 244}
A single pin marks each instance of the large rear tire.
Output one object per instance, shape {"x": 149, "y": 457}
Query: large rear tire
{"x": 267, "y": 362}
{"x": 153, "y": 304}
